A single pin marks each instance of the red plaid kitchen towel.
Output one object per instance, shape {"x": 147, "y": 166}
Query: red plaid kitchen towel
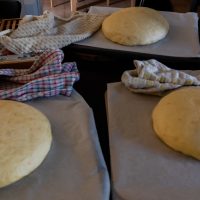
{"x": 46, "y": 77}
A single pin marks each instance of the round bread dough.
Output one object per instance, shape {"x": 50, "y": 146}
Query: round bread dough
{"x": 135, "y": 26}
{"x": 176, "y": 120}
{"x": 25, "y": 140}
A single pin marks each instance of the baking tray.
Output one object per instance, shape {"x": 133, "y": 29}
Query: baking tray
{"x": 74, "y": 168}
{"x": 120, "y": 60}
{"x": 143, "y": 167}
{"x": 91, "y": 49}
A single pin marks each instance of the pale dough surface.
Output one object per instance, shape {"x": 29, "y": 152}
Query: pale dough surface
{"x": 176, "y": 120}
{"x": 135, "y": 26}
{"x": 25, "y": 140}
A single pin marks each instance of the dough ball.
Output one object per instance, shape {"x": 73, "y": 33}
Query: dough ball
{"x": 25, "y": 140}
{"x": 176, "y": 120}
{"x": 135, "y": 26}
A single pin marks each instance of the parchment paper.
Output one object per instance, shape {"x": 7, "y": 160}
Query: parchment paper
{"x": 143, "y": 167}
{"x": 181, "y": 41}
{"x": 74, "y": 168}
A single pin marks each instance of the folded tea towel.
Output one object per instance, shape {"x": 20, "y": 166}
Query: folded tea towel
{"x": 151, "y": 76}
{"x": 36, "y": 34}
{"x": 46, "y": 77}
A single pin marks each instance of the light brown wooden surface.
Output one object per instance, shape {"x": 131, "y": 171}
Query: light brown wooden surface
{"x": 64, "y": 9}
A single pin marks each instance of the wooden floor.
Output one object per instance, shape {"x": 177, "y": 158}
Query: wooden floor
{"x": 62, "y": 7}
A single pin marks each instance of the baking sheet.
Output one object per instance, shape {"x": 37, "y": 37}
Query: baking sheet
{"x": 143, "y": 167}
{"x": 74, "y": 168}
{"x": 181, "y": 41}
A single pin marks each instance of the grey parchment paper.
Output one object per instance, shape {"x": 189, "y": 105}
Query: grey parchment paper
{"x": 143, "y": 167}
{"x": 181, "y": 41}
{"x": 74, "y": 168}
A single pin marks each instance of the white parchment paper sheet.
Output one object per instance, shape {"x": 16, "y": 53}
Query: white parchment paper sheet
{"x": 181, "y": 41}
{"x": 143, "y": 167}
{"x": 74, "y": 168}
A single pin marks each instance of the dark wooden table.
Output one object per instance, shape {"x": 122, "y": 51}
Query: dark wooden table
{"x": 194, "y": 5}
{"x": 98, "y": 67}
